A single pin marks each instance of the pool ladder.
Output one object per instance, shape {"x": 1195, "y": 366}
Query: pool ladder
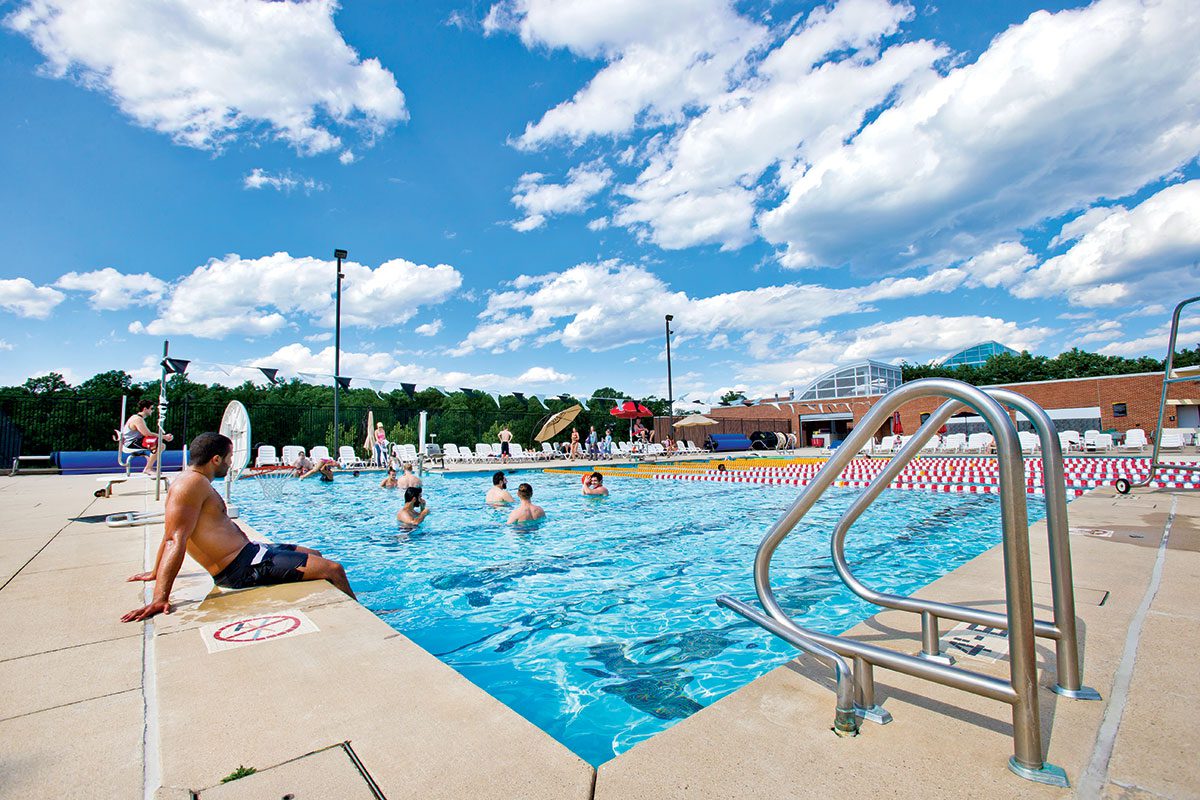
{"x": 855, "y": 684}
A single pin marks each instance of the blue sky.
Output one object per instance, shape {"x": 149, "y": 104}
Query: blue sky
{"x": 526, "y": 187}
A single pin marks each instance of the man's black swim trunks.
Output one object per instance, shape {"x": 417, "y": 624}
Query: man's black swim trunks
{"x": 504, "y": 448}
{"x": 261, "y": 564}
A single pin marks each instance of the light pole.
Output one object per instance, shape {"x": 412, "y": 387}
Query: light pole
{"x": 339, "y": 254}
{"x": 670, "y": 390}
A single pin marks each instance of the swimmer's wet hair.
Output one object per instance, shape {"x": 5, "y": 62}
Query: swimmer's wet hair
{"x": 207, "y": 446}
{"x": 412, "y": 493}
{"x": 525, "y": 491}
{"x": 498, "y": 479}
{"x": 597, "y": 476}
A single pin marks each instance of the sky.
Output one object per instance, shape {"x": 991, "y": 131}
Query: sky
{"x": 527, "y": 187}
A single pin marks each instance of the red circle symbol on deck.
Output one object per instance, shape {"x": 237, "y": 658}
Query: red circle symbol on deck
{"x": 256, "y": 629}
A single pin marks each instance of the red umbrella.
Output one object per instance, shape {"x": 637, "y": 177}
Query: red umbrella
{"x": 631, "y": 410}
{"x": 896, "y": 426}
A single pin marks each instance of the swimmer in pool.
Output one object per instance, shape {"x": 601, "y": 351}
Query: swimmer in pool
{"x": 499, "y": 492}
{"x": 594, "y": 486}
{"x": 390, "y": 481}
{"x": 414, "y": 511}
{"x": 324, "y": 471}
{"x": 526, "y": 511}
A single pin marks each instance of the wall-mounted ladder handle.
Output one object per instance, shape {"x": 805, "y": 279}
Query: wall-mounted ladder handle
{"x": 1020, "y": 691}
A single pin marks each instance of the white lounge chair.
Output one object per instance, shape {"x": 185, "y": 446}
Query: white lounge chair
{"x": 1170, "y": 440}
{"x": 1029, "y": 442}
{"x": 979, "y": 442}
{"x": 266, "y": 457}
{"x": 347, "y": 458}
{"x": 291, "y": 452}
{"x": 516, "y": 453}
{"x": 1089, "y": 440}
{"x": 483, "y": 452}
{"x": 456, "y": 454}
{"x": 547, "y": 451}
{"x": 1135, "y": 439}
{"x": 319, "y": 452}
{"x": 1070, "y": 440}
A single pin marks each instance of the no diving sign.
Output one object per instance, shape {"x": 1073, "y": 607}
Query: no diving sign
{"x": 252, "y": 630}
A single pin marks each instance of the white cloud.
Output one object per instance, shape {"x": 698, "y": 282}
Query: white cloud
{"x": 1149, "y": 252}
{"x": 282, "y": 182}
{"x": 804, "y": 99}
{"x": 111, "y": 290}
{"x": 429, "y": 328}
{"x": 1040, "y": 124}
{"x": 610, "y": 304}
{"x": 544, "y": 375}
{"x": 1155, "y": 343}
{"x": 916, "y": 338}
{"x": 347, "y": 157}
{"x": 1002, "y": 265}
{"x": 256, "y": 296}
{"x": 5, "y": 345}
{"x": 538, "y": 200}
{"x": 204, "y": 73}
{"x": 660, "y": 58}
{"x": 1102, "y": 330}
{"x": 323, "y": 336}
{"x": 598, "y": 224}
{"x": 21, "y": 297}
{"x": 295, "y": 358}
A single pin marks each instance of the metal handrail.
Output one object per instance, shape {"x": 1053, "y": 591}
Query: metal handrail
{"x": 1124, "y": 484}
{"x": 1020, "y": 691}
{"x": 1063, "y": 629}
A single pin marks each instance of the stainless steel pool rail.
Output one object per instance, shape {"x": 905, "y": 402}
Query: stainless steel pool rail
{"x": 1123, "y": 485}
{"x": 1020, "y": 691}
{"x": 1062, "y": 629}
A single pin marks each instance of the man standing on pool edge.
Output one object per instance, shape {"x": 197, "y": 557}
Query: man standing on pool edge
{"x": 197, "y": 523}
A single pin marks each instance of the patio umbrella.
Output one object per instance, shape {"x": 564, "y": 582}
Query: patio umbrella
{"x": 631, "y": 410}
{"x": 558, "y": 422}
{"x": 695, "y": 421}
{"x": 369, "y": 442}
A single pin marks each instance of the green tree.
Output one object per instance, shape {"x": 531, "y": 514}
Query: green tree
{"x": 52, "y": 383}
{"x": 733, "y": 396}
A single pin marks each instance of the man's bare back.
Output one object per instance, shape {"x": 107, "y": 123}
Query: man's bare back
{"x": 216, "y": 539}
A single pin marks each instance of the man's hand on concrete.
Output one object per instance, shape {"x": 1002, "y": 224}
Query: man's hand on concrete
{"x": 147, "y": 611}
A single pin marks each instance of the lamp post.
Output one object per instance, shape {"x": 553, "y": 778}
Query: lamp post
{"x": 339, "y": 254}
{"x": 670, "y": 390}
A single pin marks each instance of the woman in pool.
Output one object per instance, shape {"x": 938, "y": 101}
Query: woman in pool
{"x": 414, "y": 511}
{"x": 324, "y": 471}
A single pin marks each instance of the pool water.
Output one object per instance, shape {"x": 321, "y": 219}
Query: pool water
{"x": 598, "y": 625}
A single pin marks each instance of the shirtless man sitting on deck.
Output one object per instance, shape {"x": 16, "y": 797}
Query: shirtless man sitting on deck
{"x": 196, "y": 522}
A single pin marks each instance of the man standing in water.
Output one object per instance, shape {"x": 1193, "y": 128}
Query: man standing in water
{"x": 414, "y": 511}
{"x": 499, "y": 491}
{"x": 526, "y": 511}
{"x": 197, "y": 523}
{"x": 594, "y": 485}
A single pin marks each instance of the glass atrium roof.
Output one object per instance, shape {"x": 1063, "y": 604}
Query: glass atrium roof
{"x": 854, "y": 380}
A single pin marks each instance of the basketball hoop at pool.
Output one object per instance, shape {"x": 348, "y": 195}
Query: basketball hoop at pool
{"x": 273, "y": 482}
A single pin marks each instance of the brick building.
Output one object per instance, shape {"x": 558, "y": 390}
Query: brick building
{"x": 1117, "y": 402}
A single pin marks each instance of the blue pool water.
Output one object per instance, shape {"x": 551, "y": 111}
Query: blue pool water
{"x": 599, "y": 625}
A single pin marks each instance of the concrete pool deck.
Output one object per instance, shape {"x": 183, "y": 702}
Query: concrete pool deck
{"x": 345, "y": 707}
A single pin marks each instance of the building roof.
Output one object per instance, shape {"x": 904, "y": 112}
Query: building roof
{"x": 860, "y": 379}
{"x": 974, "y": 355}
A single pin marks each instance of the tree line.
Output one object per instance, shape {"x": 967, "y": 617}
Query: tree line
{"x": 47, "y": 409}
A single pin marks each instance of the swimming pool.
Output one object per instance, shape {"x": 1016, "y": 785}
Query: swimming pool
{"x": 599, "y": 625}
